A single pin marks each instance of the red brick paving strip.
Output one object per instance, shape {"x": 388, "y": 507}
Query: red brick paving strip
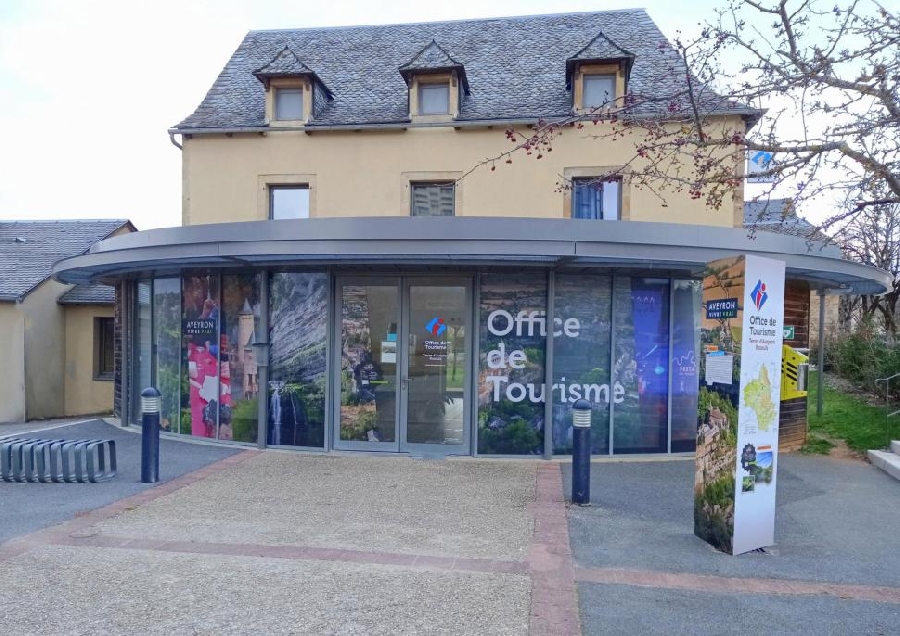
{"x": 554, "y": 599}
{"x": 712, "y": 583}
{"x": 295, "y": 552}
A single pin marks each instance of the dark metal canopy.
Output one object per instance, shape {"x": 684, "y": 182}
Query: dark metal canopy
{"x": 457, "y": 241}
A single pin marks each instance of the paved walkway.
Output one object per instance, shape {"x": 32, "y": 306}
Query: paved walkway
{"x": 834, "y": 570}
{"x": 288, "y": 543}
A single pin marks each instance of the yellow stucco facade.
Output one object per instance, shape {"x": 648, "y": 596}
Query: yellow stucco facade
{"x": 367, "y": 173}
{"x": 44, "y": 350}
{"x": 12, "y": 344}
{"x": 84, "y": 393}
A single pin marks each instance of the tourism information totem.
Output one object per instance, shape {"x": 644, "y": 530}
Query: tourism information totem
{"x": 740, "y": 384}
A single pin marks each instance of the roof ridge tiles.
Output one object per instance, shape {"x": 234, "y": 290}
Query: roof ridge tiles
{"x": 505, "y": 18}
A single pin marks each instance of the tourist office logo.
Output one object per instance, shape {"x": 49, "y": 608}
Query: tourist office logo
{"x": 759, "y": 296}
{"x": 436, "y": 326}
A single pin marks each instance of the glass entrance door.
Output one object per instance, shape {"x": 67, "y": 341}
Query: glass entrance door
{"x": 402, "y": 367}
{"x": 435, "y": 378}
{"x": 368, "y": 316}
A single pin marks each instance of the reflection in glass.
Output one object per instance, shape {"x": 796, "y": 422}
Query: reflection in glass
{"x": 143, "y": 345}
{"x": 511, "y": 363}
{"x": 369, "y": 318}
{"x": 581, "y": 357}
{"x": 238, "y": 379}
{"x": 200, "y": 351}
{"x": 167, "y": 344}
{"x": 685, "y": 355}
{"x": 641, "y": 310}
{"x": 436, "y": 365}
{"x": 298, "y": 317}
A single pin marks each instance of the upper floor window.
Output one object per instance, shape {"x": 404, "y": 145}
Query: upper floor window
{"x": 433, "y": 199}
{"x": 595, "y": 199}
{"x": 598, "y": 90}
{"x": 288, "y": 104}
{"x": 434, "y": 99}
{"x": 289, "y": 202}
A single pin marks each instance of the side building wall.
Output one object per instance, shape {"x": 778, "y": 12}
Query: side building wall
{"x": 84, "y": 394}
{"x": 12, "y": 349}
{"x": 44, "y": 351}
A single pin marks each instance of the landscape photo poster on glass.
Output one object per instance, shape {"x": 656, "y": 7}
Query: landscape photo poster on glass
{"x": 738, "y": 403}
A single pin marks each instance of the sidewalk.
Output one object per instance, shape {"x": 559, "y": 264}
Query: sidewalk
{"x": 835, "y": 568}
{"x": 286, "y": 543}
{"x": 290, "y": 543}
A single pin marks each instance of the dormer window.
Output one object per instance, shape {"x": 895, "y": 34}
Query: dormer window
{"x": 598, "y": 90}
{"x": 288, "y": 104}
{"x": 294, "y": 93}
{"x": 437, "y": 84}
{"x": 434, "y": 99}
{"x": 598, "y": 74}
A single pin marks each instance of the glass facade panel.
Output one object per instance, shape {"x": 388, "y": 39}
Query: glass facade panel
{"x": 298, "y": 314}
{"x": 200, "y": 355}
{"x": 193, "y": 340}
{"x": 167, "y": 346}
{"x": 143, "y": 343}
{"x": 511, "y": 363}
{"x": 581, "y": 357}
{"x": 641, "y": 310}
{"x": 238, "y": 373}
{"x": 369, "y": 319}
{"x": 436, "y": 364}
{"x": 687, "y": 298}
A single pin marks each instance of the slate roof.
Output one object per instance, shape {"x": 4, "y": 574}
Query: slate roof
{"x": 285, "y": 63}
{"x": 779, "y": 215}
{"x": 28, "y": 249}
{"x": 600, "y": 48}
{"x": 94, "y": 294}
{"x": 434, "y": 58}
{"x": 516, "y": 68}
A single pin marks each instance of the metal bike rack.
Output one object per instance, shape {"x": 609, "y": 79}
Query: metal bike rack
{"x": 57, "y": 460}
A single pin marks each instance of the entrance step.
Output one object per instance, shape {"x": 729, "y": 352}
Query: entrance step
{"x": 895, "y": 447}
{"x": 888, "y": 462}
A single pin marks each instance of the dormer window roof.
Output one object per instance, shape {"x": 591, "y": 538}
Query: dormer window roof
{"x": 434, "y": 59}
{"x": 287, "y": 65}
{"x": 600, "y": 50}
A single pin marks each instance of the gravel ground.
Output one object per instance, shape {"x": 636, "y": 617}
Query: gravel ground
{"x": 138, "y": 592}
{"x": 465, "y": 508}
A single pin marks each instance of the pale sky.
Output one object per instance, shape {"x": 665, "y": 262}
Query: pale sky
{"x": 88, "y": 88}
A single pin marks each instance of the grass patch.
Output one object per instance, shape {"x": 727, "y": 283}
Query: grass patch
{"x": 849, "y": 418}
{"x": 817, "y": 446}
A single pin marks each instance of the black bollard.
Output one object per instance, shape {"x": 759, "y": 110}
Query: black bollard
{"x": 150, "y": 407}
{"x": 581, "y": 453}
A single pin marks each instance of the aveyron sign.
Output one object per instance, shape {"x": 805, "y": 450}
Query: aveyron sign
{"x": 740, "y": 385}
